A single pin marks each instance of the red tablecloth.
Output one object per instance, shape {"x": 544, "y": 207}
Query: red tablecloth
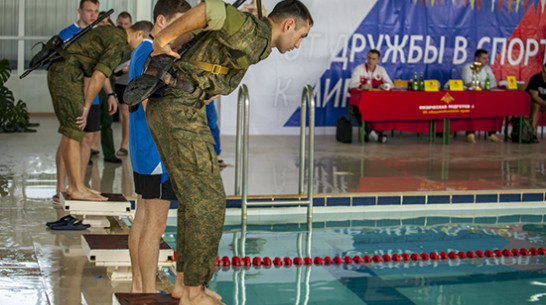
{"x": 413, "y": 110}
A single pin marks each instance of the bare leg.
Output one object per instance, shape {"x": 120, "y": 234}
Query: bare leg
{"x": 155, "y": 221}
{"x": 134, "y": 238}
{"x": 86, "y": 144}
{"x": 61, "y": 171}
{"x": 124, "y": 111}
{"x": 95, "y": 145}
{"x": 178, "y": 286}
{"x": 95, "y": 178}
{"x": 71, "y": 152}
{"x": 126, "y": 179}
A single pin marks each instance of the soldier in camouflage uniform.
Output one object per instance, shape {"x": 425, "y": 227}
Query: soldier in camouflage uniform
{"x": 73, "y": 83}
{"x": 215, "y": 65}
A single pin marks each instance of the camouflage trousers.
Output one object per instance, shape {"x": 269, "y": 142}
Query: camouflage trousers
{"x": 65, "y": 82}
{"x": 191, "y": 163}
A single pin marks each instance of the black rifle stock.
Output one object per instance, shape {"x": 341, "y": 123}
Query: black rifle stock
{"x": 50, "y": 51}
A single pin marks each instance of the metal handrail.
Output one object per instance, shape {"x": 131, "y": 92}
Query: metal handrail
{"x": 242, "y": 144}
{"x": 242, "y": 99}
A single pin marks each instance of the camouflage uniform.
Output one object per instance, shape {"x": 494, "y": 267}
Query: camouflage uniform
{"x": 99, "y": 50}
{"x": 178, "y": 125}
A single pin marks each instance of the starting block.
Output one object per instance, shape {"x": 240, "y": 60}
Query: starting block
{"x": 116, "y": 205}
{"x": 112, "y": 251}
{"x": 143, "y": 298}
{"x": 95, "y": 212}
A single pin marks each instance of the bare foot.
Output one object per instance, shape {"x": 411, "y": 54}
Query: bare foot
{"x": 177, "y": 293}
{"x": 213, "y": 294}
{"x": 85, "y": 195}
{"x": 94, "y": 191}
{"x": 201, "y": 299}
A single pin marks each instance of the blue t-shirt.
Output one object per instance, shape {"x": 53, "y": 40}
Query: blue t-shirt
{"x": 66, "y": 34}
{"x": 145, "y": 158}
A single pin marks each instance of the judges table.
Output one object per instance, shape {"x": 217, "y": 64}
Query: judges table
{"x": 442, "y": 111}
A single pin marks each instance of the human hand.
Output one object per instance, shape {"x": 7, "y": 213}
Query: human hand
{"x": 211, "y": 99}
{"x": 112, "y": 104}
{"x": 366, "y": 87}
{"x": 158, "y": 50}
{"x": 81, "y": 121}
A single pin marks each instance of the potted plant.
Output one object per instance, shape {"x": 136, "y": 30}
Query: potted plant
{"x": 14, "y": 116}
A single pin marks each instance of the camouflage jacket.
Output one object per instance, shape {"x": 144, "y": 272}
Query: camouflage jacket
{"x": 101, "y": 49}
{"x": 242, "y": 40}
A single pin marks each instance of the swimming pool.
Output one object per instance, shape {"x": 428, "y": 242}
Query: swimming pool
{"x": 495, "y": 280}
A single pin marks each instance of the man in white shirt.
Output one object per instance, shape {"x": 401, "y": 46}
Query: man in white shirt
{"x": 481, "y": 56}
{"x": 368, "y": 76}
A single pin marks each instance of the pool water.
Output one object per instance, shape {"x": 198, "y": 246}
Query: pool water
{"x": 487, "y": 280}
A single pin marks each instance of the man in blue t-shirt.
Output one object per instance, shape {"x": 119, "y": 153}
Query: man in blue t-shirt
{"x": 88, "y": 12}
{"x": 152, "y": 183}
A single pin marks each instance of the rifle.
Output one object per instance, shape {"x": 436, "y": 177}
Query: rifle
{"x": 50, "y": 50}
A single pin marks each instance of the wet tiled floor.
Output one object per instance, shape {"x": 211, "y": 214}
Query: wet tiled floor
{"x": 38, "y": 266}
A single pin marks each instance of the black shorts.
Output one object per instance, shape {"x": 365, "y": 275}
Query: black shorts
{"x": 120, "y": 89}
{"x": 150, "y": 187}
{"x": 93, "y": 119}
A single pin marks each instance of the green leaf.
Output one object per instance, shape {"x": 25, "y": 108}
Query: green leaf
{"x": 5, "y": 71}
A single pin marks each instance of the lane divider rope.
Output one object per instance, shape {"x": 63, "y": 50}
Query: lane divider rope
{"x": 246, "y": 261}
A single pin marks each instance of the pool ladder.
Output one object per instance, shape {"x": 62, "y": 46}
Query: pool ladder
{"x": 241, "y": 171}
{"x": 241, "y": 159}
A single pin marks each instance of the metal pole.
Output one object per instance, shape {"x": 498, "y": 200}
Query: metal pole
{"x": 303, "y": 127}
{"x": 246, "y": 116}
{"x": 311, "y": 153}
{"x": 309, "y": 236}
{"x": 239, "y": 140}
{"x": 243, "y": 238}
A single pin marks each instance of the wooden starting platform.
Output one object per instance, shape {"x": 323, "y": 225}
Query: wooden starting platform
{"x": 94, "y": 212}
{"x": 143, "y": 298}
{"x": 112, "y": 251}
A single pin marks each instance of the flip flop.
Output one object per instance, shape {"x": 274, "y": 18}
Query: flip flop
{"x": 94, "y": 152}
{"x": 122, "y": 152}
{"x": 55, "y": 198}
{"x": 72, "y": 224}
{"x": 60, "y": 221}
{"x": 222, "y": 164}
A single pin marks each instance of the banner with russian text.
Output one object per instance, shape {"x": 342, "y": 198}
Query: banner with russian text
{"x": 431, "y": 36}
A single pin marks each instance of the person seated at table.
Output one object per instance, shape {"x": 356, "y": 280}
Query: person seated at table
{"x": 481, "y": 56}
{"x": 537, "y": 90}
{"x": 366, "y": 76}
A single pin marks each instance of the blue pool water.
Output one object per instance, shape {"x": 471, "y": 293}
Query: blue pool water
{"x": 489, "y": 280}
